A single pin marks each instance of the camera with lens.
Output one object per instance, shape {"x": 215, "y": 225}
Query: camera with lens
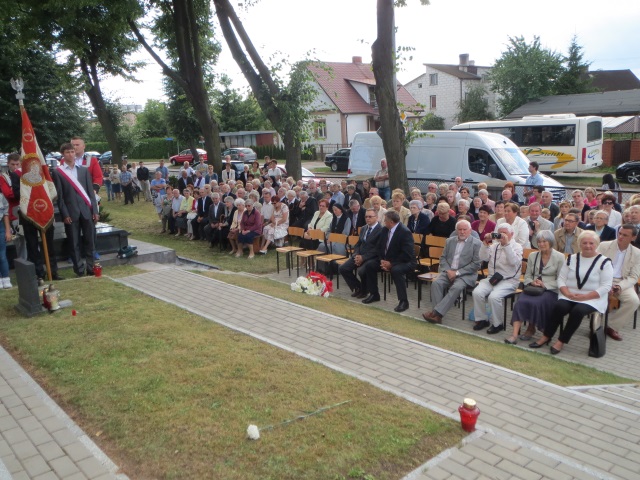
{"x": 496, "y": 236}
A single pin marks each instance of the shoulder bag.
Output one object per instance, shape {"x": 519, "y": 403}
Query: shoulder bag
{"x": 533, "y": 290}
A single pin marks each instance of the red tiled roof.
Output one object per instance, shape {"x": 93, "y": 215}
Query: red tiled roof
{"x": 335, "y": 79}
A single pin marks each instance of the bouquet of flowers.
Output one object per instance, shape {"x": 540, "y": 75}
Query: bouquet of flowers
{"x": 313, "y": 284}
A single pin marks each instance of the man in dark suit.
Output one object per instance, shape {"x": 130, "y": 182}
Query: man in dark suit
{"x": 365, "y": 251}
{"x": 203, "y": 202}
{"x": 78, "y": 208}
{"x": 397, "y": 257}
{"x": 215, "y": 210}
{"x": 459, "y": 266}
{"x": 600, "y": 226}
{"x": 356, "y": 215}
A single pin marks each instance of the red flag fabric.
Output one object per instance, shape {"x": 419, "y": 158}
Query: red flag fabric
{"x": 37, "y": 191}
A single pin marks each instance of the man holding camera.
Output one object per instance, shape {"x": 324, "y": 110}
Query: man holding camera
{"x": 504, "y": 256}
{"x": 536, "y": 223}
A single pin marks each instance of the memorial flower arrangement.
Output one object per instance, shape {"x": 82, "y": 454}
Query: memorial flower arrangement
{"x": 313, "y": 284}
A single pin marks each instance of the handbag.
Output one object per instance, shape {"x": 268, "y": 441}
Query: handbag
{"x": 597, "y": 343}
{"x": 496, "y": 278}
{"x": 533, "y": 291}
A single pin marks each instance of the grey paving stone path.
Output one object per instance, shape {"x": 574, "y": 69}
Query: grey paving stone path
{"x": 528, "y": 428}
{"x": 621, "y": 357}
{"x": 37, "y": 439}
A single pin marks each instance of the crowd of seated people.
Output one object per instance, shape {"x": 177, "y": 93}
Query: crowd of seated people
{"x": 570, "y": 241}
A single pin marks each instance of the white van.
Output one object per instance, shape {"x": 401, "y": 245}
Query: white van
{"x": 444, "y": 155}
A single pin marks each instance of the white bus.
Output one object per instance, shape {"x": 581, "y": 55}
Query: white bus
{"x": 559, "y": 143}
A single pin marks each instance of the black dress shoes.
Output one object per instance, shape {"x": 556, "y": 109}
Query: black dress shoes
{"x": 355, "y": 293}
{"x": 371, "y": 299}
{"x": 55, "y": 276}
{"x": 495, "y": 329}
{"x": 481, "y": 325}
{"x": 90, "y": 272}
{"x": 362, "y": 294}
{"x": 402, "y": 306}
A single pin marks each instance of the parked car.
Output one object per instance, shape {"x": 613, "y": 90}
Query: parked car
{"x": 338, "y": 160}
{"x": 3, "y": 159}
{"x": 187, "y": 156}
{"x": 245, "y": 155}
{"x": 236, "y": 165}
{"x": 53, "y": 159}
{"x": 629, "y": 172}
{"x": 105, "y": 157}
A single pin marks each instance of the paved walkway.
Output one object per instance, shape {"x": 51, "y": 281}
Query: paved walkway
{"x": 529, "y": 429}
{"x": 621, "y": 357}
{"x": 37, "y": 439}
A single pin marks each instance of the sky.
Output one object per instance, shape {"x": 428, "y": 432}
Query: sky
{"x": 337, "y": 30}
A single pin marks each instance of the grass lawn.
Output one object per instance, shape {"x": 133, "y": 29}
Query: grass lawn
{"x": 170, "y": 395}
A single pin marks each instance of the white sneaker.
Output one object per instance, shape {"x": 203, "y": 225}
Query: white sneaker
{"x": 6, "y": 282}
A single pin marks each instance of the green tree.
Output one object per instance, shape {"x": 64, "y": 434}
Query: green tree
{"x": 574, "y": 78}
{"x": 96, "y": 35}
{"x": 181, "y": 118}
{"x": 152, "y": 121}
{"x": 524, "y": 72}
{"x": 285, "y": 106}
{"x": 53, "y": 98}
{"x": 183, "y": 27}
{"x": 235, "y": 112}
{"x": 431, "y": 121}
{"x": 474, "y": 106}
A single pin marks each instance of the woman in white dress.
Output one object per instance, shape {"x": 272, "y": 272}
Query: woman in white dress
{"x": 279, "y": 226}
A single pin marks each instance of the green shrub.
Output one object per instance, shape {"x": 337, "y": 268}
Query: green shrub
{"x": 154, "y": 148}
{"x": 97, "y": 146}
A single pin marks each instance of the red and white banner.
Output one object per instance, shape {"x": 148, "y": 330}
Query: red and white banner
{"x": 37, "y": 191}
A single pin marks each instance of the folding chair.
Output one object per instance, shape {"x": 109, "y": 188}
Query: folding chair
{"x": 294, "y": 232}
{"x": 351, "y": 243}
{"x": 331, "y": 257}
{"x": 309, "y": 255}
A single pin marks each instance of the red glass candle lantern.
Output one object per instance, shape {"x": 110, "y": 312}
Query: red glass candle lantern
{"x": 469, "y": 413}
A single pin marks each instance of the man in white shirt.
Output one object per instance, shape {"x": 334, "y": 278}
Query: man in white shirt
{"x": 625, "y": 259}
{"x": 520, "y": 227}
{"x": 504, "y": 256}
{"x": 186, "y": 167}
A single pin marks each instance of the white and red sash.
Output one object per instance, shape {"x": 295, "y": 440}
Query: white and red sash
{"x": 76, "y": 186}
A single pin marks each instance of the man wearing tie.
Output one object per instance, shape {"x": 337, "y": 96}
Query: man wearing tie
{"x": 364, "y": 252}
{"x": 395, "y": 249}
{"x": 202, "y": 207}
{"x": 78, "y": 208}
{"x": 215, "y": 210}
{"x": 459, "y": 266}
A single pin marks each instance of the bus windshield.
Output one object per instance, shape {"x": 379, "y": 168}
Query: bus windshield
{"x": 513, "y": 159}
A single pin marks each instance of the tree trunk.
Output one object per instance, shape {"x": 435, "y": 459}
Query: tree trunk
{"x": 293, "y": 152}
{"x": 383, "y": 59}
{"x": 92, "y": 88}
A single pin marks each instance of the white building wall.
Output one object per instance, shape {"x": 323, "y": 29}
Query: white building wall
{"x": 449, "y": 91}
{"x": 334, "y": 129}
{"x": 362, "y": 89}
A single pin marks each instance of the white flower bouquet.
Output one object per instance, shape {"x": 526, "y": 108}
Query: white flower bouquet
{"x": 313, "y": 284}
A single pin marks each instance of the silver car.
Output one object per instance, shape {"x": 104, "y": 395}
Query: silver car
{"x": 245, "y": 155}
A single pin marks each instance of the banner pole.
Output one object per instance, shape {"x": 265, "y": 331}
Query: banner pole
{"x": 45, "y": 252}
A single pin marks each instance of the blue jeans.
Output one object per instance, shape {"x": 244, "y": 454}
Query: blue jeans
{"x": 384, "y": 192}
{"x": 4, "y": 264}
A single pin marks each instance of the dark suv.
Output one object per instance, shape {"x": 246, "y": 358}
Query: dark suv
{"x": 338, "y": 160}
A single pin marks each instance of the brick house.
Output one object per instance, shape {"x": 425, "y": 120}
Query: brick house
{"x": 346, "y": 103}
{"x": 441, "y": 88}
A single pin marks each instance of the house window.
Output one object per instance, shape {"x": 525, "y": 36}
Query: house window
{"x": 433, "y": 79}
{"x": 432, "y": 102}
{"x": 372, "y": 97}
{"x": 419, "y": 85}
{"x": 320, "y": 128}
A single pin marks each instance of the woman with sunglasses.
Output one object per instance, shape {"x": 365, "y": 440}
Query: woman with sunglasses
{"x": 615, "y": 218}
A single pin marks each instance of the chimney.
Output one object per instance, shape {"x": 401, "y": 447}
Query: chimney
{"x": 356, "y": 60}
{"x": 472, "y": 63}
{"x": 464, "y": 59}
